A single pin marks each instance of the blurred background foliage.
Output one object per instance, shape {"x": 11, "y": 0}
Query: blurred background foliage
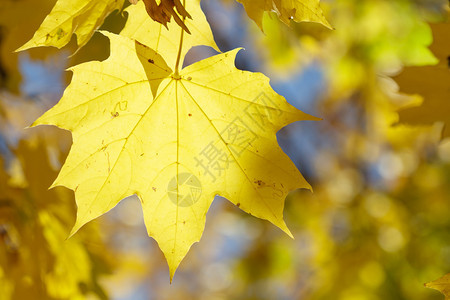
{"x": 376, "y": 226}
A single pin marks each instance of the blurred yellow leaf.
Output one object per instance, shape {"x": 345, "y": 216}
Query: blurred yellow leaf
{"x": 442, "y": 285}
{"x": 36, "y": 260}
{"x": 287, "y": 10}
{"x": 431, "y": 82}
{"x": 67, "y": 17}
{"x": 210, "y": 130}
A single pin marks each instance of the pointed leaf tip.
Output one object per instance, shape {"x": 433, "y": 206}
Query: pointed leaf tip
{"x": 441, "y": 284}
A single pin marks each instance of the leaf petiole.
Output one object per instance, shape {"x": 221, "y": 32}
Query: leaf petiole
{"x": 180, "y": 47}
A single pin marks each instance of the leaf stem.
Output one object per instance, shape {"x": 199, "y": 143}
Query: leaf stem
{"x": 177, "y": 63}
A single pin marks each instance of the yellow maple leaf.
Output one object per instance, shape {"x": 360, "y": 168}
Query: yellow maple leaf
{"x": 287, "y": 10}
{"x": 164, "y": 40}
{"x": 430, "y": 82}
{"x": 36, "y": 261}
{"x": 210, "y": 130}
{"x": 442, "y": 285}
{"x": 67, "y": 17}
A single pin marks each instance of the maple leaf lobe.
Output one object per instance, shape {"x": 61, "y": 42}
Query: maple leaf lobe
{"x": 430, "y": 82}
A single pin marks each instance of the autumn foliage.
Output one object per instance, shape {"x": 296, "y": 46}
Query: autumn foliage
{"x": 171, "y": 125}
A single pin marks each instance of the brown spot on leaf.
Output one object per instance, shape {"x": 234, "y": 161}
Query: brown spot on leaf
{"x": 60, "y": 33}
{"x": 154, "y": 189}
{"x": 151, "y": 61}
{"x": 190, "y": 115}
{"x": 238, "y": 204}
{"x": 259, "y": 182}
